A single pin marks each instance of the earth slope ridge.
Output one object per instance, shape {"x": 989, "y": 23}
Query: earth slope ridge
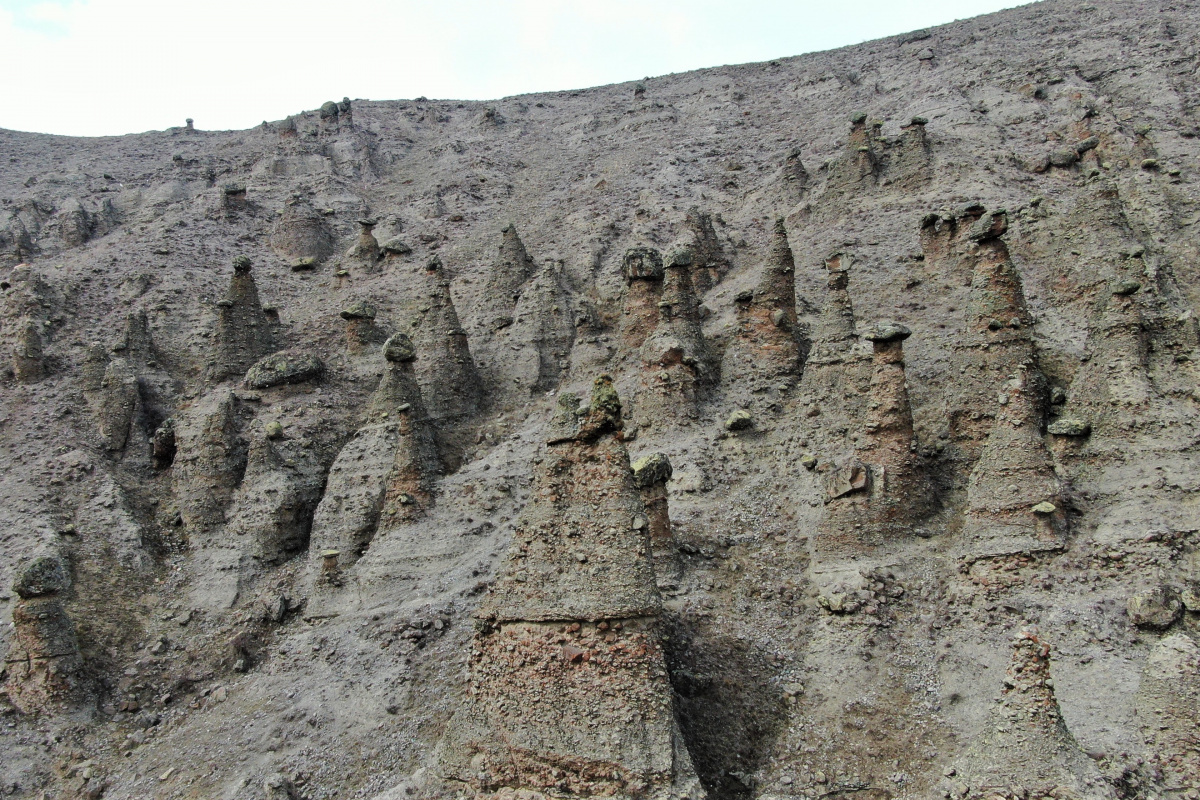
{"x": 308, "y": 437}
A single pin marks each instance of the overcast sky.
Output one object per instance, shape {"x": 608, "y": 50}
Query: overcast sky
{"x": 97, "y": 67}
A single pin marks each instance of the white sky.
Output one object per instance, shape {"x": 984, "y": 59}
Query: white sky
{"x": 97, "y": 67}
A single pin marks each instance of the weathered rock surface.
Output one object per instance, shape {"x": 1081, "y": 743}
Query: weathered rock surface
{"x": 856, "y": 526}
{"x": 575, "y": 607}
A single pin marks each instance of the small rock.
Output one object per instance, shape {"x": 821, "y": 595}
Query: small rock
{"x": 46, "y": 574}
{"x": 652, "y": 469}
{"x": 1045, "y": 507}
{"x": 739, "y": 420}
{"x": 394, "y": 247}
{"x": 284, "y": 368}
{"x": 1126, "y": 287}
{"x": 887, "y": 332}
{"x": 1064, "y": 157}
{"x": 1190, "y": 597}
{"x": 1157, "y": 607}
{"x": 399, "y": 348}
{"x": 359, "y": 310}
{"x": 1069, "y": 426}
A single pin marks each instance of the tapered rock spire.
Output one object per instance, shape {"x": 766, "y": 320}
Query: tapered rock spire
{"x": 643, "y": 272}
{"x": 877, "y": 495}
{"x": 910, "y": 160}
{"x": 445, "y": 369}
{"x": 1014, "y": 498}
{"x": 271, "y": 513}
{"x": 677, "y": 364}
{"x": 1116, "y": 373}
{"x": 835, "y": 334}
{"x": 767, "y": 344}
{"x": 365, "y": 251}
{"x": 210, "y": 458}
{"x": 1025, "y": 745}
{"x": 651, "y": 474}
{"x": 120, "y": 404}
{"x": 795, "y": 177}
{"x": 383, "y": 476}
{"x": 709, "y": 262}
{"x": 838, "y": 369}
{"x": 575, "y": 608}
{"x": 857, "y": 168}
{"x": 998, "y": 339}
{"x": 506, "y": 282}
{"x": 243, "y": 333}
{"x": 28, "y": 356}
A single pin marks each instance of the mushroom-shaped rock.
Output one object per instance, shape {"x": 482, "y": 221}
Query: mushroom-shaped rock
{"x": 574, "y": 608}
{"x": 284, "y": 368}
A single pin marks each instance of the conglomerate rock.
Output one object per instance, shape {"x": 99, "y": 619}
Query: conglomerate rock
{"x": 308, "y": 579}
{"x": 576, "y": 607}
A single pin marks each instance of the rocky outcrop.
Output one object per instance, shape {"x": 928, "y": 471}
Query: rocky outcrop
{"x": 243, "y": 333}
{"x": 574, "y": 609}
{"x": 909, "y": 161}
{"x": 837, "y": 371}
{"x": 1025, "y": 745}
{"x": 526, "y": 324}
{"x": 365, "y": 251}
{"x": 446, "y": 370}
{"x": 136, "y": 344}
{"x": 28, "y": 354}
{"x": 642, "y": 269}
{"x": 383, "y": 475}
{"x": 74, "y": 223}
{"x": 273, "y": 508}
{"x": 1168, "y": 704}
{"x": 767, "y": 344}
{"x": 998, "y": 340}
{"x": 677, "y": 364}
{"x": 1014, "y": 499}
{"x": 709, "y": 262}
{"x": 210, "y": 459}
{"x": 119, "y": 404}
{"x": 301, "y": 233}
{"x": 877, "y": 495}
{"x": 362, "y": 334}
{"x": 857, "y": 168}
{"x": 506, "y": 281}
{"x": 44, "y": 665}
{"x": 543, "y": 318}
{"x": 795, "y": 177}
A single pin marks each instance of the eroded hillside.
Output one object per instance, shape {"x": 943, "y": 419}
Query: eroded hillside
{"x": 826, "y": 427}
